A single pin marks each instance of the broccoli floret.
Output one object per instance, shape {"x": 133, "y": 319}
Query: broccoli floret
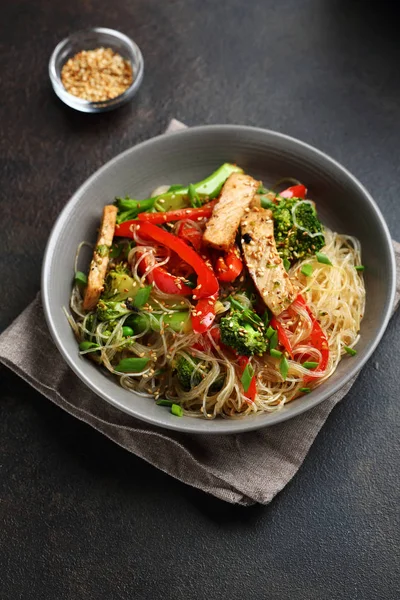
{"x": 190, "y": 375}
{"x": 108, "y": 310}
{"x": 186, "y": 374}
{"x": 292, "y": 242}
{"x": 244, "y": 331}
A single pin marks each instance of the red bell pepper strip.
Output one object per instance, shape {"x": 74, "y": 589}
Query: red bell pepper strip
{"x": 216, "y": 335}
{"x": 203, "y": 315}
{"x": 158, "y": 218}
{"x": 252, "y": 389}
{"x": 295, "y": 191}
{"x": 229, "y": 266}
{"x": 190, "y": 234}
{"x": 165, "y": 282}
{"x": 202, "y": 343}
{"x": 318, "y": 339}
{"x": 282, "y": 336}
{"x": 125, "y": 229}
{"x": 207, "y": 283}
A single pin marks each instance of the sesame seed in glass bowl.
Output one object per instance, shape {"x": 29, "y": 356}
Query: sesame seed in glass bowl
{"x": 96, "y": 70}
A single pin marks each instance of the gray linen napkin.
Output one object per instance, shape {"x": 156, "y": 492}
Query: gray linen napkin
{"x": 244, "y": 468}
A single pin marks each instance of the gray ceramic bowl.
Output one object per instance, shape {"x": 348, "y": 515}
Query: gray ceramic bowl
{"x": 343, "y": 204}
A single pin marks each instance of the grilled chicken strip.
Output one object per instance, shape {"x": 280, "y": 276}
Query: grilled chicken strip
{"x": 263, "y": 261}
{"x": 98, "y": 266}
{"x": 236, "y": 195}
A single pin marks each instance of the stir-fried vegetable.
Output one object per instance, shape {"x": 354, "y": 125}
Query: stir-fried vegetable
{"x": 244, "y": 331}
{"x": 229, "y": 266}
{"x": 193, "y": 296}
{"x": 207, "y": 283}
{"x": 297, "y": 229}
{"x": 177, "y": 197}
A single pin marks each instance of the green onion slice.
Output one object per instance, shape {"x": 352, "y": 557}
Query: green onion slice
{"x": 247, "y": 376}
{"x": 266, "y": 203}
{"x": 273, "y": 342}
{"x": 305, "y": 390}
{"x": 275, "y": 353}
{"x": 131, "y": 365}
{"x": 310, "y": 364}
{"x": 322, "y": 258}
{"x": 80, "y": 278}
{"x": 306, "y": 270}
{"x": 163, "y": 402}
{"x": 270, "y": 332}
{"x": 177, "y": 410}
{"x": 359, "y": 268}
{"x": 284, "y": 367}
{"x": 88, "y": 346}
{"x": 350, "y": 351}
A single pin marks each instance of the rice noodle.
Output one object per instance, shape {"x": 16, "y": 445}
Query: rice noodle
{"x": 335, "y": 295}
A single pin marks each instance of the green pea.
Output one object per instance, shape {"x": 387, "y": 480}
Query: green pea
{"x": 87, "y": 346}
{"x": 127, "y": 331}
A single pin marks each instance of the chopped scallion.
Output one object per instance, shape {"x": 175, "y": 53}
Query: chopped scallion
{"x": 177, "y": 410}
{"x": 275, "y": 353}
{"x": 273, "y": 341}
{"x": 163, "y": 402}
{"x": 284, "y": 367}
{"x": 235, "y": 303}
{"x": 350, "y": 351}
{"x": 270, "y": 332}
{"x": 266, "y": 203}
{"x": 322, "y": 258}
{"x": 131, "y": 365}
{"x": 359, "y": 268}
{"x": 306, "y": 270}
{"x": 80, "y": 278}
{"x": 305, "y": 390}
{"x": 83, "y": 346}
{"x": 247, "y": 376}
{"x": 310, "y": 364}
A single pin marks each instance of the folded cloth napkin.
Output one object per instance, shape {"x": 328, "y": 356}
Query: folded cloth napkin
{"x": 244, "y": 468}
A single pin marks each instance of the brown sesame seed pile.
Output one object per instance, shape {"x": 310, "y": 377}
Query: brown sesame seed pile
{"x": 97, "y": 75}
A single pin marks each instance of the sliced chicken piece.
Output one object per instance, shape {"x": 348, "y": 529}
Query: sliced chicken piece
{"x": 98, "y": 266}
{"x": 236, "y": 195}
{"x": 263, "y": 261}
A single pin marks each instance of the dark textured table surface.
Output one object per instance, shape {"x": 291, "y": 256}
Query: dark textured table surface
{"x": 80, "y": 517}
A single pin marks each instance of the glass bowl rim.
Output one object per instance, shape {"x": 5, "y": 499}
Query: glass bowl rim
{"x": 100, "y": 104}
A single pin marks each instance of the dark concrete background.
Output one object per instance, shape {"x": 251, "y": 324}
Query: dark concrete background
{"x": 80, "y": 517}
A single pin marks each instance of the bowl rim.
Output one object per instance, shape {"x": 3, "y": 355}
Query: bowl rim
{"x": 191, "y": 425}
{"x": 81, "y": 103}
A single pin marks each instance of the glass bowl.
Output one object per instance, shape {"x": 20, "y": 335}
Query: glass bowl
{"x": 90, "y": 39}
